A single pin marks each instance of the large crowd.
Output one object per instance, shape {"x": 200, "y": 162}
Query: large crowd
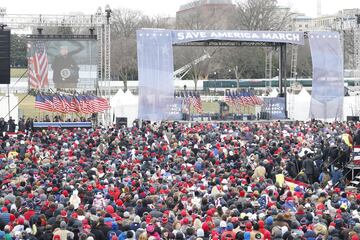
{"x": 171, "y": 180}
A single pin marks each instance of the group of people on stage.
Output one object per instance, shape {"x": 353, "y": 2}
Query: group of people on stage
{"x": 173, "y": 180}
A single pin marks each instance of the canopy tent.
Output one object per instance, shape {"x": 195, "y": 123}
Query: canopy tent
{"x": 351, "y": 106}
{"x": 299, "y": 105}
{"x": 274, "y": 93}
{"x": 124, "y": 105}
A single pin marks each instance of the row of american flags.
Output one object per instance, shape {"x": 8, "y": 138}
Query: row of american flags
{"x": 83, "y": 104}
{"x": 238, "y": 99}
{"x": 191, "y": 98}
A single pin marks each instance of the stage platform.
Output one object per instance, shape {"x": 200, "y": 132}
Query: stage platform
{"x": 62, "y": 124}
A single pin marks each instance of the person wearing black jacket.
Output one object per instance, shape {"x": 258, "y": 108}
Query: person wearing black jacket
{"x": 103, "y": 227}
{"x": 11, "y": 125}
{"x": 309, "y": 168}
{"x": 99, "y": 235}
{"x": 357, "y": 137}
{"x": 3, "y": 126}
{"x": 66, "y": 70}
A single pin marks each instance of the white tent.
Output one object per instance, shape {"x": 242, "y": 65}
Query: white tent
{"x": 13, "y": 105}
{"x": 124, "y": 105}
{"x": 299, "y": 105}
{"x": 273, "y": 93}
{"x": 351, "y": 106}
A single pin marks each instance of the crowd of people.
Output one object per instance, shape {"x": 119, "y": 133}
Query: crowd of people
{"x": 172, "y": 180}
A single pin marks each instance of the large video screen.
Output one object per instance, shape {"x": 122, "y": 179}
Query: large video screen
{"x": 62, "y": 63}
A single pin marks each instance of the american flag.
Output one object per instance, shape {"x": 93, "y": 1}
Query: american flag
{"x": 59, "y": 104}
{"x": 38, "y": 67}
{"x": 71, "y": 103}
{"x": 247, "y": 99}
{"x": 50, "y": 101}
{"x": 42, "y": 103}
{"x": 192, "y": 98}
{"x": 84, "y": 107}
{"x": 198, "y": 104}
{"x": 102, "y": 104}
{"x": 67, "y": 104}
{"x": 187, "y": 98}
{"x": 227, "y": 97}
{"x": 253, "y": 98}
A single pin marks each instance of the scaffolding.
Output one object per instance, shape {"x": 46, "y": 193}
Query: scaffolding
{"x": 357, "y": 51}
{"x": 268, "y": 64}
{"x": 294, "y": 60}
{"x": 100, "y": 21}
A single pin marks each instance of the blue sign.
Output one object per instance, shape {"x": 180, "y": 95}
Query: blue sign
{"x": 275, "y": 107}
{"x": 175, "y": 110}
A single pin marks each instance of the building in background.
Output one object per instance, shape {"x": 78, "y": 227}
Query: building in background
{"x": 302, "y": 23}
{"x": 205, "y": 14}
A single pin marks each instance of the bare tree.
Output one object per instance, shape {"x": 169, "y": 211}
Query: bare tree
{"x": 261, "y": 15}
{"x": 125, "y": 22}
{"x": 123, "y": 59}
{"x": 304, "y": 66}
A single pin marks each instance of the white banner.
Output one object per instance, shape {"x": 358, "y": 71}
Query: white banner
{"x": 328, "y": 81}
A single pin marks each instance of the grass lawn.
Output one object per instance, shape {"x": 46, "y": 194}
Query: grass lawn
{"x": 17, "y": 72}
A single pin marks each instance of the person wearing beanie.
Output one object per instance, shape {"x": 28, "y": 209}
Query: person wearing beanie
{"x": 269, "y": 222}
{"x": 247, "y": 236}
{"x": 200, "y": 233}
{"x": 62, "y": 232}
{"x": 276, "y": 233}
{"x": 229, "y": 233}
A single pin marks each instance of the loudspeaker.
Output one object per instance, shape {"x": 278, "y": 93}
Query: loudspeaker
{"x": 121, "y": 121}
{"x": 352, "y": 118}
{"x": 4, "y": 56}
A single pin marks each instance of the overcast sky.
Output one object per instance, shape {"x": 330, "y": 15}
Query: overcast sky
{"x": 151, "y": 7}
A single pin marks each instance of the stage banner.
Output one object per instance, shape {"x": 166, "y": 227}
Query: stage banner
{"x": 183, "y": 36}
{"x": 328, "y": 81}
{"x": 155, "y": 65}
{"x": 275, "y": 106}
{"x": 175, "y": 109}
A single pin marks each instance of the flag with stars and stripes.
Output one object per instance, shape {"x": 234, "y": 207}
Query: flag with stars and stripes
{"x": 38, "y": 66}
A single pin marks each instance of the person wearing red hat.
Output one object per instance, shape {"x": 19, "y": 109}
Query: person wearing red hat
{"x": 19, "y": 225}
{"x": 248, "y": 226}
{"x": 264, "y": 231}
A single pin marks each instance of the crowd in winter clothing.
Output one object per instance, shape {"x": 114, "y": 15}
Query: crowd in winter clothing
{"x": 171, "y": 180}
